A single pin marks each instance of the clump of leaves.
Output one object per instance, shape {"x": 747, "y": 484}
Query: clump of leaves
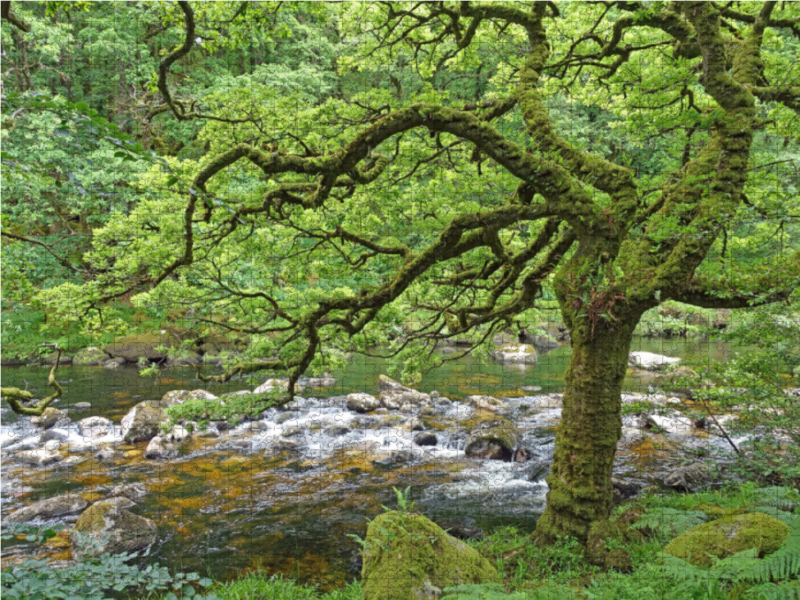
{"x": 232, "y": 408}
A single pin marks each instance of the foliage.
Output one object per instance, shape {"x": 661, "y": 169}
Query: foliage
{"x": 92, "y": 578}
{"x": 234, "y": 408}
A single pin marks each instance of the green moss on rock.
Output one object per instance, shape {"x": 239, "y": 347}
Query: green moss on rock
{"x": 727, "y": 536}
{"x": 107, "y": 527}
{"x": 409, "y": 557}
{"x": 495, "y": 440}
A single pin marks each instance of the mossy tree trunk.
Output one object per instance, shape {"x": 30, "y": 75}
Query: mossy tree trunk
{"x": 586, "y": 439}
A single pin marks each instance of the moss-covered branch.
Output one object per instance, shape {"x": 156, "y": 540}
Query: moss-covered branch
{"x": 16, "y": 397}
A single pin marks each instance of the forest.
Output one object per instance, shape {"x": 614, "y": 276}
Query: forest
{"x": 392, "y": 300}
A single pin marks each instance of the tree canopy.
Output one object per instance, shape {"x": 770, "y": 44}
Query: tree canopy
{"x": 330, "y": 177}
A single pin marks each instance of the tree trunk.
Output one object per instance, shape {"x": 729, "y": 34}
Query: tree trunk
{"x": 586, "y": 439}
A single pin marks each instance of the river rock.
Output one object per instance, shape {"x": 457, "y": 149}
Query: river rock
{"x": 42, "y": 456}
{"x": 113, "y": 363}
{"x": 413, "y": 424}
{"x": 142, "y": 345}
{"x": 90, "y": 357}
{"x": 394, "y": 395}
{"x": 271, "y": 385}
{"x": 727, "y": 536}
{"x": 105, "y": 453}
{"x": 463, "y": 528}
{"x": 321, "y": 382}
{"x": 285, "y": 443}
{"x": 216, "y": 343}
{"x": 133, "y": 491}
{"x": 494, "y": 440}
{"x": 50, "y": 417}
{"x": 542, "y": 343}
{"x": 690, "y": 477}
{"x": 651, "y": 362}
{"x": 425, "y": 439}
{"x": 181, "y": 396}
{"x": 427, "y": 411}
{"x": 337, "y": 430}
{"x": 178, "y": 434}
{"x": 515, "y": 354}
{"x": 57, "y": 434}
{"x": 143, "y": 421}
{"x": 95, "y": 426}
{"x": 488, "y": 403}
{"x": 120, "y": 501}
{"x": 361, "y": 402}
{"x": 673, "y": 423}
{"x": 60, "y": 506}
{"x": 398, "y": 566}
{"x": 184, "y": 358}
{"x": 82, "y": 405}
{"x": 106, "y": 527}
{"x": 158, "y": 448}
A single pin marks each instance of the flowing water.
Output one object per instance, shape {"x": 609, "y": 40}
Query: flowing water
{"x": 237, "y": 502}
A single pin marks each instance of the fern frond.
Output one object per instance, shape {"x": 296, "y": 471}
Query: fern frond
{"x": 782, "y": 564}
{"x": 670, "y": 522}
{"x": 784, "y": 498}
{"x": 775, "y": 591}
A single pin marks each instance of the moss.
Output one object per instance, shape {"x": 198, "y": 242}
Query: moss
{"x": 602, "y": 532}
{"x": 727, "y": 536}
{"x": 500, "y": 432}
{"x": 409, "y": 557}
{"x": 618, "y": 560}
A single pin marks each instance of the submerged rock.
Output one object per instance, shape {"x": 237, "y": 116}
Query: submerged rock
{"x": 409, "y": 557}
{"x": 727, "y": 536}
{"x": 60, "y": 506}
{"x": 95, "y": 426}
{"x": 494, "y": 440}
{"x": 425, "y": 438}
{"x": 106, "y": 527}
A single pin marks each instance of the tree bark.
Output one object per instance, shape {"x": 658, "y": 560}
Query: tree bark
{"x": 586, "y": 439}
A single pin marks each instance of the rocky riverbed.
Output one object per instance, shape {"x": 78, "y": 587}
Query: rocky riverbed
{"x": 282, "y": 490}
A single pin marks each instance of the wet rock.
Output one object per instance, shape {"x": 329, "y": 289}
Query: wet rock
{"x": 337, "y": 430}
{"x": 208, "y": 433}
{"x": 651, "y": 362}
{"x": 114, "y": 363}
{"x": 673, "y": 423}
{"x": 413, "y": 424}
{"x": 143, "y": 421}
{"x": 50, "y": 508}
{"x": 82, "y": 405}
{"x": 71, "y": 461}
{"x": 95, "y": 426}
{"x": 142, "y": 345}
{"x": 515, "y": 354}
{"x": 181, "y": 396}
{"x": 494, "y": 440}
{"x": 434, "y": 394}
{"x": 531, "y": 388}
{"x": 624, "y": 489}
{"x": 394, "y": 395}
{"x": 542, "y": 343}
{"x": 521, "y": 455}
{"x": 186, "y": 357}
{"x": 42, "y": 456}
{"x": 287, "y": 444}
{"x": 158, "y": 448}
{"x": 442, "y": 401}
{"x": 402, "y": 456}
{"x": 537, "y": 470}
{"x": 462, "y": 528}
{"x": 90, "y": 357}
{"x": 132, "y": 491}
{"x": 427, "y": 411}
{"x": 488, "y": 403}
{"x": 426, "y": 439}
{"x": 361, "y": 402}
{"x": 417, "y": 571}
{"x": 291, "y": 432}
{"x": 407, "y": 408}
{"x": 105, "y": 454}
{"x": 50, "y": 417}
{"x": 106, "y": 527}
{"x": 321, "y": 382}
{"x": 727, "y": 536}
{"x": 220, "y": 425}
{"x": 120, "y": 501}
{"x": 56, "y": 434}
{"x": 178, "y": 434}
{"x": 689, "y": 477}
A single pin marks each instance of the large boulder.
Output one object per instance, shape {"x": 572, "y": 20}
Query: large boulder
{"x": 727, "y": 536}
{"x": 394, "y": 395}
{"x": 50, "y": 508}
{"x": 515, "y": 354}
{"x": 143, "y": 421}
{"x": 107, "y": 527}
{"x": 142, "y": 345}
{"x": 90, "y": 357}
{"x": 651, "y": 362}
{"x": 409, "y": 557}
{"x": 495, "y": 440}
{"x": 362, "y": 403}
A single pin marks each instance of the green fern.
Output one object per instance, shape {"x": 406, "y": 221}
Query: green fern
{"x": 670, "y": 522}
{"x": 782, "y": 564}
{"x": 783, "y": 498}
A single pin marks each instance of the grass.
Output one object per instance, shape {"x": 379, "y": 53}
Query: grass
{"x": 257, "y": 585}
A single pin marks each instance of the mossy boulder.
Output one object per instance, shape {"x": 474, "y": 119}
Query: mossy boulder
{"x": 90, "y": 357}
{"x": 495, "y": 440}
{"x": 49, "y": 508}
{"x": 727, "y": 536}
{"x": 142, "y": 345}
{"x": 409, "y": 557}
{"x": 106, "y": 527}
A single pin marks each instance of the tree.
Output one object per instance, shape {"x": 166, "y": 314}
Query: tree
{"x": 465, "y": 161}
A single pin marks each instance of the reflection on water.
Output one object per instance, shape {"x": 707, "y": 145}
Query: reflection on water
{"x": 236, "y": 502}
